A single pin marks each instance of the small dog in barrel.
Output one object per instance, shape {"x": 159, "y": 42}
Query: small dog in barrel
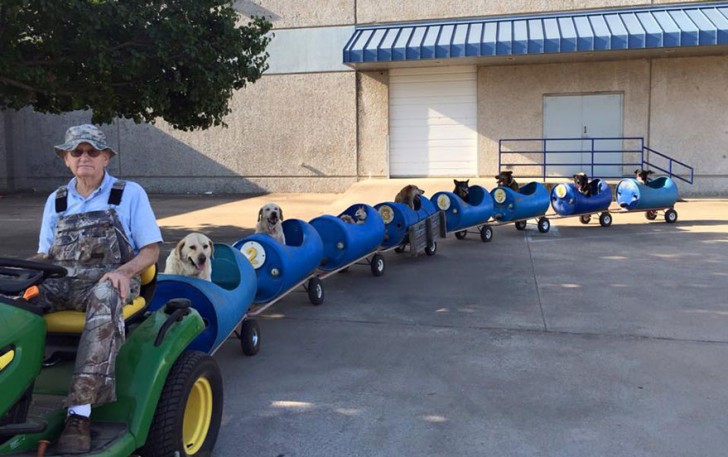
{"x": 360, "y": 216}
{"x": 410, "y": 196}
{"x": 461, "y": 189}
{"x": 643, "y": 176}
{"x": 505, "y": 179}
{"x": 581, "y": 181}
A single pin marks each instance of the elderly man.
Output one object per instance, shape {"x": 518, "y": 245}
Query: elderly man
{"x": 103, "y": 230}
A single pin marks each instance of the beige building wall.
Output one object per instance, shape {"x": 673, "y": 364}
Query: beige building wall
{"x": 689, "y": 117}
{"x": 510, "y": 99}
{"x": 373, "y": 11}
{"x": 373, "y": 121}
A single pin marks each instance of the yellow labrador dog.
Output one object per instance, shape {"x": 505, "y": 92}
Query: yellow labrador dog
{"x": 191, "y": 257}
{"x": 270, "y": 218}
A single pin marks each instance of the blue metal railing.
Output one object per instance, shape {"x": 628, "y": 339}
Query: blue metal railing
{"x": 601, "y": 157}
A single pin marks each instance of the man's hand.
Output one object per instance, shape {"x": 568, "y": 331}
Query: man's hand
{"x": 120, "y": 281}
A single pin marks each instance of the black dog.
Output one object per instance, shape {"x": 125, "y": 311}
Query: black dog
{"x": 581, "y": 181}
{"x": 461, "y": 189}
{"x": 643, "y": 175}
{"x": 505, "y": 179}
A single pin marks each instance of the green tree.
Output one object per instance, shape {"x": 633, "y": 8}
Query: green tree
{"x": 179, "y": 60}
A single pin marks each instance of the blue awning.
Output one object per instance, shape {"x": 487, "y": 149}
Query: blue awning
{"x": 700, "y": 24}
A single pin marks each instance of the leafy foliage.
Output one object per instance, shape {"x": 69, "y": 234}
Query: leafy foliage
{"x": 179, "y": 60}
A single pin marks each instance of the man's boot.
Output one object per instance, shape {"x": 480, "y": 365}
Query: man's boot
{"x": 75, "y": 438}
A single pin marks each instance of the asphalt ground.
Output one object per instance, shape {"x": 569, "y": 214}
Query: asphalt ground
{"x": 584, "y": 341}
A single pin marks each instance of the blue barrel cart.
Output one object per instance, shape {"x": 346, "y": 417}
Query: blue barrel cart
{"x": 567, "y": 201}
{"x": 416, "y": 228}
{"x": 281, "y": 268}
{"x": 530, "y": 202}
{"x": 660, "y": 194}
{"x": 223, "y": 303}
{"x": 462, "y": 216}
{"x": 346, "y": 244}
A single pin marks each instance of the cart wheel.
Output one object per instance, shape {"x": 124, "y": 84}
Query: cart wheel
{"x": 377, "y": 265}
{"x": 432, "y": 249}
{"x": 315, "y": 291}
{"x": 585, "y": 218}
{"x": 670, "y": 216}
{"x": 399, "y": 249}
{"x": 605, "y": 219}
{"x": 651, "y": 215}
{"x": 486, "y": 233}
{"x": 187, "y": 419}
{"x": 520, "y": 225}
{"x": 461, "y": 234}
{"x": 250, "y": 337}
{"x": 544, "y": 225}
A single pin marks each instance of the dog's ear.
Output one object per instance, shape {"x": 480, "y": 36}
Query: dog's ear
{"x": 212, "y": 248}
{"x": 467, "y": 181}
{"x": 280, "y": 211}
{"x": 456, "y": 181}
{"x": 260, "y": 214}
{"x": 179, "y": 247}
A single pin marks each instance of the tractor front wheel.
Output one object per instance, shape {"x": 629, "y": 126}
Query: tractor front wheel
{"x": 187, "y": 419}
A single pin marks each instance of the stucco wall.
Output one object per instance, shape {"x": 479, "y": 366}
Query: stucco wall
{"x": 286, "y": 133}
{"x": 373, "y": 110}
{"x": 296, "y": 13}
{"x": 690, "y": 117}
{"x": 510, "y": 99}
{"x": 369, "y": 11}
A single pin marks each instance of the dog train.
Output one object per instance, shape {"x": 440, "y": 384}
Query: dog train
{"x": 230, "y": 285}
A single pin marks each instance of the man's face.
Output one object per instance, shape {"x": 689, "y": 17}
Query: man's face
{"x": 87, "y": 162}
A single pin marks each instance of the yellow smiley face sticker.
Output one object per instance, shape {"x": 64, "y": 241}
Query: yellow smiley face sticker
{"x": 443, "y": 202}
{"x": 254, "y": 252}
{"x": 499, "y": 195}
{"x": 387, "y": 213}
{"x": 561, "y": 190}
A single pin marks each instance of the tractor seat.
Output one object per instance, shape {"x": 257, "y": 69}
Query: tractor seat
{"x": 72, "y": 322}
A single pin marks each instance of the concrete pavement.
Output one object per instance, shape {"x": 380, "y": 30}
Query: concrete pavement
{"x": 585, "y": 341}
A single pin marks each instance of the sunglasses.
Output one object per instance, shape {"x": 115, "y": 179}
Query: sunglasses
{"x": 79, "y": 152}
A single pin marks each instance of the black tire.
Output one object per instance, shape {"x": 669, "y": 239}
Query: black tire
{"x": 193, "y": 371}
{"x": 486, "y": 233}
{"x": 544, "y": 225}
{"x": 520, "y": 225}
{"x": 377, "y": 265}
{"x": 605, "y": 219}
{"x": 315, "y": 291}
{"x": 432, "y": 249}
{"x": 585, "y": 218}
{"x": 250, "y": 337}
{"x": 651, "y": 215}
{"x": 461, "y": 234}
{"x": 670, "y": 216}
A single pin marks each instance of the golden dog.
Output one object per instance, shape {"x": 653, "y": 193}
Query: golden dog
{"x": 191, "y": 257}
{"x": 409, "y": 195}
{"x": 270, "y": 218}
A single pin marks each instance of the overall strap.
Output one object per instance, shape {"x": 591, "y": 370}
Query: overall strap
{"x": 116, "y": 192}
{"x": 61, "y": 199}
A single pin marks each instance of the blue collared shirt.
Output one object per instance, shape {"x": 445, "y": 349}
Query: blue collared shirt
{"x": 134, "y": 211}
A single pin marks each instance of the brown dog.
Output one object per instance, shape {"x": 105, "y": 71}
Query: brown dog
{"x": 505, "y": 179}
{"x": 409, "y": 195}
{"x": 643, "y": 176}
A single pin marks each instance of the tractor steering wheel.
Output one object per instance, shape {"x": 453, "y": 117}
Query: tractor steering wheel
{"x": 16, "y": 275}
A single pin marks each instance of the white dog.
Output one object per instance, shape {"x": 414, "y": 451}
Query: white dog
{"x": 191, "y": 257}
{"x": 270, "y": 218}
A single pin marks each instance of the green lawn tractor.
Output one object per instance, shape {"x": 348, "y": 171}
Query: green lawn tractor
{"x": 169, "y": 398}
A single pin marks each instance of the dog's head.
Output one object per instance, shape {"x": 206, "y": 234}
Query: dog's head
{"x": 412, "y": 191}
{"x": 195, "y": 249}
{"x": 504, "y": 178}
{"x": 270, "y": 213}
{"x": 461, "y": 188}
{"x": 581, "y": 180}
{"x": 642, "y": 175}
{"x": 361, "y": 213}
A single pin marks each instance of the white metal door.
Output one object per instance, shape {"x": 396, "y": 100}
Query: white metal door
{"x": 585, "y": 118}
{"x": 433, "y": 122}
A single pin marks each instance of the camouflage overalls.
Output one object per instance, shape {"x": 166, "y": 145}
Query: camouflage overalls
{"x": 90, "y": 245}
